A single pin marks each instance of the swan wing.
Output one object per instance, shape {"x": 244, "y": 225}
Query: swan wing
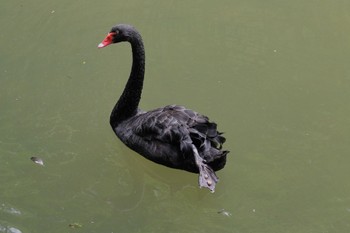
{"x": 169, "y": 124}
{"x": 182, "y": 127}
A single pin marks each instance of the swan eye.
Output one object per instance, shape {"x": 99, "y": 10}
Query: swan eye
{"x": 117, "y": 31}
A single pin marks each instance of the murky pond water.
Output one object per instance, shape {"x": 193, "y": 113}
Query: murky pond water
{"x": 274, "y": 75}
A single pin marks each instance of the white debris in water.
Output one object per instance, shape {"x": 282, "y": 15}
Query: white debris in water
{"x": 9, "y": 229}
{"x": 224, "y": 212}
{"x": 9, "y": 209}
{"x": 14, "y": 230}
{"x": 37, "y": 160}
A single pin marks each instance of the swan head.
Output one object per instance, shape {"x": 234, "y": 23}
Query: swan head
{"x": 119, "y": 33}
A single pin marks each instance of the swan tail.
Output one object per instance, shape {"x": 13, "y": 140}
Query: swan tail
{"x": 209, "y": 143}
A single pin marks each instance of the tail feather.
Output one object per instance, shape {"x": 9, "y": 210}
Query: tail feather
{"x": 209, "y": 142}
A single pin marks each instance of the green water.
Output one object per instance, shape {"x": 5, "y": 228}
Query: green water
{"x": 274, "y": 75}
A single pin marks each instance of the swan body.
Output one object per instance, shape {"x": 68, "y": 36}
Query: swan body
{"x": 173, "y": 136}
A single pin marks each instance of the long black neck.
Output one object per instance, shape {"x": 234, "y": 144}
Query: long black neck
{"x": 127, "y": 105}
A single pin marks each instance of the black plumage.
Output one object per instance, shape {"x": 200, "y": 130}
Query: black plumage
{"x": 173, "y": 135}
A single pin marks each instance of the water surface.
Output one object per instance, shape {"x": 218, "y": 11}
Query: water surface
{"x": 273, "y": 74}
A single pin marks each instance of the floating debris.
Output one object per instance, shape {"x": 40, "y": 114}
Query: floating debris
{"x": 224, "y": 212}
{"x": 9, "y": 209}
{"x": 9, "y": 229}
{"x": 75, "y": 225}
{"x": 37, "y": 160}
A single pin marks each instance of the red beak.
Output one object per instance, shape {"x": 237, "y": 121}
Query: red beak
{"x": 107, "y": 41}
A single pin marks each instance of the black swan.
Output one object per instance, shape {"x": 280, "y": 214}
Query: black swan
{"x": 173, "y": 136}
